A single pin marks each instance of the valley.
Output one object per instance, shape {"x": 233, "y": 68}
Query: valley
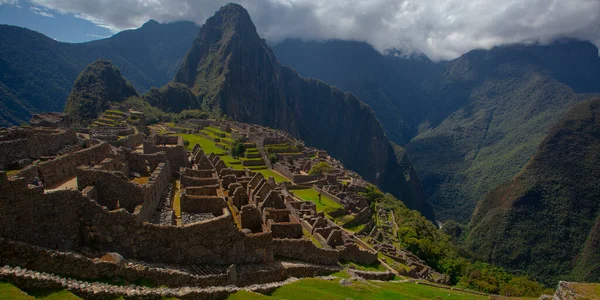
{"x": 189, "y": 161}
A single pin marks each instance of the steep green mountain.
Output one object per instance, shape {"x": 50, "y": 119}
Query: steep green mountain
{"x": 37, "y": 72}
{"x": 545, "y": 220}
{"x": 173, "y": 97}
{"x": 233, "y": 71}
{"x": 502, "y": 102}
{"x": 468, "y": 124}
{"x": 391, "y": 83}
{"x": 96, "y": 87}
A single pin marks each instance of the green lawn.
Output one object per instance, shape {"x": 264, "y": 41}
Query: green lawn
{"x": 331, "y": 289}
{"x": 327, "y": 205}
{"x": 207, "y": 145}
{"x": 9, "y": 291}
{"x": 269, "y": 173}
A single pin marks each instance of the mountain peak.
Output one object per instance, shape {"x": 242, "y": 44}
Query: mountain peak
{"x": 233, "y": 18}
{"x": 150, "y": 22}
{"x": 99, "y": 84}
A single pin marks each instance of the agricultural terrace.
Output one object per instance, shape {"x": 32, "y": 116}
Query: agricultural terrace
{"x": 214, "y": 140}
{"x": 111, "y": 118}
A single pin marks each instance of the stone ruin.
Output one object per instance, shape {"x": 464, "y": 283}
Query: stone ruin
{"x": 108, "y": 211}
{"x": 51, "y": 120}
{"x": 20, "y": 146}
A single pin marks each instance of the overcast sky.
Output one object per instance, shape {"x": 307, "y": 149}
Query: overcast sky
{"x": 442, "y": 29}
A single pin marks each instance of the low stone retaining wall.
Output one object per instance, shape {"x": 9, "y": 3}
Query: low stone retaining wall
{"x": 304, "y": 250}
{"x": 70, "y": 264}
{"x": 327, "y": 194}
{"x": 130, "y": 141}
{"x": 253, "y": 163}
{"x": 26, "y": 279}
{"x": 385, "y": 276}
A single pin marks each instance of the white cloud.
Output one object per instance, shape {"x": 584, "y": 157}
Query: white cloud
{"x": 42, "y": 11}
{"x": 10, "y": 2}
{"x": 96, "y": 35}
{"x": 438, "y": 28}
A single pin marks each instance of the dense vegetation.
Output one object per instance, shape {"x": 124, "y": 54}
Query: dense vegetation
{"x": 437, "y": 249}
{"x": 98, "y": 85}
{"x": 320, "y": 169}
{"x": 173, "y": 97}
{"x": 37, "y": 73}
{"x": 545, "y": 220}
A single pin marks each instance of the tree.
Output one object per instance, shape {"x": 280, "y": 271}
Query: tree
{"x": 238, "y": 148}
{"x": 320, "y": 169}
{"x": 273, "y": 158}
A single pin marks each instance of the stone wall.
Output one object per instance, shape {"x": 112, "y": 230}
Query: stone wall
{"x": 203, "y": 204}
{"x": 304, "y": 250}
{"x": 362, "y": 217}
{"x": 71, "y": 264}
{"x": 72, "y": 222}
{"x": 175, "y": 152}
{"x": 385, "y": 276}
{"x": 352, "y": 252}
{"x": 158, "y": 182}
{"x": 285, "y": 230}
{"x": 253, "y": 162}
{"x": 114, "y": 190}
{"x": 144, "y": 163}
{"x": 130, "y": 141}
{"x": 195, "y": 181}
{"x": 11, "y": 151}
{"x": 19, "y": 143}
{"x": 28, "y": 173}
{"x": 329, "y": 195}
{"x": 65, "y": 166}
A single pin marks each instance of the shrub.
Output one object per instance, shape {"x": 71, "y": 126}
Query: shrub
{"x": 320, "y": 169}
{"x": 186, "y": 143}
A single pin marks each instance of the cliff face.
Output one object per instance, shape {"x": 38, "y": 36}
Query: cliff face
{"x": 545, "y": 220}
{"x": 234, "y": 71}
{"x": 99, "y": 84}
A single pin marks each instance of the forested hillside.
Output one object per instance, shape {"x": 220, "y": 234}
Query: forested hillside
{"x": 37, "y": 72}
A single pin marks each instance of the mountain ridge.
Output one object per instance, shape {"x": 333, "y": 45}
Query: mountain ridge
{"x": 235, "y": 72}
{"x": 551, "y": 202}
{"x": 38, "y": 72}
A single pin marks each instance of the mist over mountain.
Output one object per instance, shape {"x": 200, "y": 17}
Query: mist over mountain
{"x": 467, "y": 124}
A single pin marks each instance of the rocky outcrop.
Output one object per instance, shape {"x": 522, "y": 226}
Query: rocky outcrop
{"x": 233, "y": 71}
{"x": 99, "y": 84}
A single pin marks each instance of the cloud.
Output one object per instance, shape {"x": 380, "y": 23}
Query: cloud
{"x": 42, "y": 11}
{"x": 10, "y": 2}
{"x": 441, "y": 29}
{"x": 96, "y": 35}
